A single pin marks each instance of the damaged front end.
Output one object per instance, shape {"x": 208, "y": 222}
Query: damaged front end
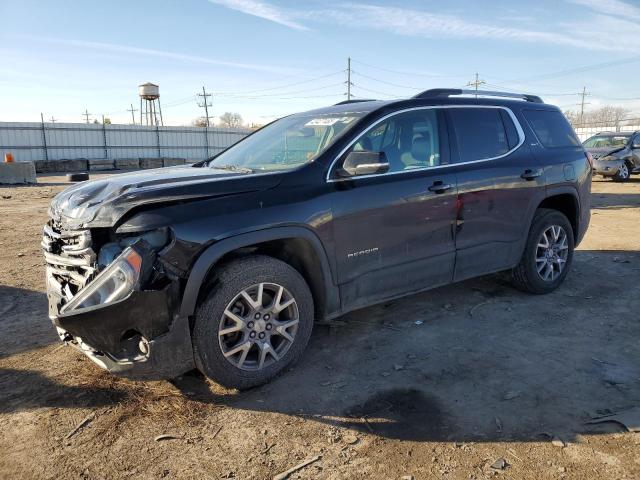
{"x": 111, "y": 296}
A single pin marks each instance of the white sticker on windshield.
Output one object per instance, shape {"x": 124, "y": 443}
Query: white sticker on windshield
{"x": 327, "y": 122}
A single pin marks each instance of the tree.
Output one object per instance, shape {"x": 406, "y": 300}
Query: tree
{"x": 230, "y": 120}
{"x": 107, "y": 121}
{"x": 199, "y": 122}
{"x": 605, "y": 116}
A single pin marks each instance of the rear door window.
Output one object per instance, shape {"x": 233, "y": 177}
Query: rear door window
{"x": 480, "y": 133}
{"x": 551, "y": 128}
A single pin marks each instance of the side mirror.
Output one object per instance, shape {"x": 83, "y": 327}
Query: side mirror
{"x": 364, "y": 163}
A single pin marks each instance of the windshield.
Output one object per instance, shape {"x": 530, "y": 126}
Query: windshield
{"x": 286, "y": 143}
{"x": 606, "y": 141}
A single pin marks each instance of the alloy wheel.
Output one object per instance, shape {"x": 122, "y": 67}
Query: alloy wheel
{"x": 624, "y": 171}
{"x": 552, "y": 252}
{"x": 258, "y": 326}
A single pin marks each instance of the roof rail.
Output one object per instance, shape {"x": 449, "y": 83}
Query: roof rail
{"x": 449, "y": 92}
{"x": 345, "y": 102}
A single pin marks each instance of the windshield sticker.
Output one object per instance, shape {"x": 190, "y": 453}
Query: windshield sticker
{"x": 328, "y": 122}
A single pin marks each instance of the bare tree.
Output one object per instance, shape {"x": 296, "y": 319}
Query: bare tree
{"x": 230, "y": 120}
{"x": 605, "y": 116}
{"x": 200, "y": 122}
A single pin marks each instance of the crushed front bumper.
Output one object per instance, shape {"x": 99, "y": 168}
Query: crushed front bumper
{"x": 141, "y": 336}
{"x": 608, "y": 168}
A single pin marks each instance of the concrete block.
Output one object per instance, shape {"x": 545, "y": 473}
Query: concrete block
{"x": 151, "y": 163}
{"x": 172, "y": 162}
{"x": 18, "y": 172}
{"x": 50, "y": 166}
{"x": 101, "y": 164}
{"x": 127, "y": 163}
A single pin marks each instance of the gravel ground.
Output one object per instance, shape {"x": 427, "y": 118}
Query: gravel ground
{"x": 437, "y": 385}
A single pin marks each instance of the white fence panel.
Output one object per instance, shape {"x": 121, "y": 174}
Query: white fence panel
{"x": 58, "y": 141}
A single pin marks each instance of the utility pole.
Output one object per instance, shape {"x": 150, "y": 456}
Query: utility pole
{"x": 348, "y": 78}
{"x": 132, "y": 110}
{"x": 476, "y": 84}
{"x": 582, "y": 103}
{"x": 206, "y": 104}
{"x": 52, "y": 119}
{"x": 86, "y": 115}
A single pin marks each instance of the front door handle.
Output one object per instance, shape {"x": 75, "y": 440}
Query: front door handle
{"x": 531, "y": 174}
{"x": 440, "y": 187}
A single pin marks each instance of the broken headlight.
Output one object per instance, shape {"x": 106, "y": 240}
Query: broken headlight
{"x": 111, "y": 285}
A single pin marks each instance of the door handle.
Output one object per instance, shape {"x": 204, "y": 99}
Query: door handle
{"x": 440, "y": 187}
{"x": 531, "y": 174}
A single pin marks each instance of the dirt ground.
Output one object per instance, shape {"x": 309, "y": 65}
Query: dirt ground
{"x": 436, "y": 385}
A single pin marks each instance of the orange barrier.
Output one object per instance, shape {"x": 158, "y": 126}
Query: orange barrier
{"x": 8, "y": 157}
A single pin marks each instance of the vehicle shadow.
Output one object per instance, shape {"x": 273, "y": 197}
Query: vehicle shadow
{"x": 476, "y": 361}
{"x": 615, "y": 200}
{"x": 22, "y": 390}
{"x": 24, "y": 322}
{"x": 471, "y": 362}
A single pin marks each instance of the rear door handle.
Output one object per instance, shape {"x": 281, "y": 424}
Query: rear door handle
{"x": 440, "y": 187}
{"x": 531, "y": 174}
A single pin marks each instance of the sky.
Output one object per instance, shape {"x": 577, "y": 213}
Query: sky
{"x": 266, "y": 59}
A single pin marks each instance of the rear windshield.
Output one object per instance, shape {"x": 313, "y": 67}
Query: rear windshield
{"x": 551, "y": 128}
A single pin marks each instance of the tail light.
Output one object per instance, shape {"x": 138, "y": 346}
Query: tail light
{"x": 589, "y": 159}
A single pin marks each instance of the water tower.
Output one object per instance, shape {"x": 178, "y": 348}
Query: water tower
{"x": 150, "y": 104}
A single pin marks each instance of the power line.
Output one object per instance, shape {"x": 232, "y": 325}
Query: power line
{"x": 349, "y": 82}
{"x": 206, "y": 104}
{"x": 586, "y": 68}
{"x": 132, "y": 110}
{"x": 279, "y": 87}
{"x": 412, "y": 74}
{"x": 280, "y": 93}
{"x": 476, "y": 84}
{"x": 582, "y": 104}
{"x": 358, "y": 73}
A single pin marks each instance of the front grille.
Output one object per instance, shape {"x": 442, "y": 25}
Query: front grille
{"x": 71, "y": 261}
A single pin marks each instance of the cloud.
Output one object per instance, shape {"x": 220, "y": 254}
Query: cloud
{"x": 148, "y": 52}
{"x": 410, "y": 22}
{"x": 262, "y": 10}
{"x": 611, "y": 7}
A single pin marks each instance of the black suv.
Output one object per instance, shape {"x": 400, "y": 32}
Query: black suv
{"x": 225, "y": 264}
{"x": 615, "y": 154}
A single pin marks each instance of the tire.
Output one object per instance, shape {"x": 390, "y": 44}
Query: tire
{"x": 209, "y": 342}
{"x": 77, "y": 177}
{"x": 526, "y": 275}
{"x": 624, "y": 174}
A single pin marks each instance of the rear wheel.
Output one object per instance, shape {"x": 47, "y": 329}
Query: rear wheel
{"x": 623, "y": 174}
{"x": 256, "y": 320}
{"x": 548, "y": 253}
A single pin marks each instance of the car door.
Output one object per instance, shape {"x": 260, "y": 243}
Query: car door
{"x": 393, "y": 230}
{"x": 499, "y": 182}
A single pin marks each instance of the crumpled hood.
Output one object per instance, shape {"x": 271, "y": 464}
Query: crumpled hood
{"x": 101, "y": 203}
{"x": 603, "y": 152}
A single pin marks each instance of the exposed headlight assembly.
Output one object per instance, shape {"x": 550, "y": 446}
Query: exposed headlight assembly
{"x": 113, "y": 284}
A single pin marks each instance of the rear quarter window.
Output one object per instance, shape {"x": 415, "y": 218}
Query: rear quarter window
{"x": 480, "y": 133}
{"x": 551, "y": 128}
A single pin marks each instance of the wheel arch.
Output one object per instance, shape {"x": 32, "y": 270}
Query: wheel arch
{"x": 567, "y": 203}
{"x": 297, "y": 246}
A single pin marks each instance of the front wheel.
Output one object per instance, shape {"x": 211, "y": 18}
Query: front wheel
{"x": 256, "y": 321}
{"x": 548, "y": 253}
{"x": 624, "y": 173}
